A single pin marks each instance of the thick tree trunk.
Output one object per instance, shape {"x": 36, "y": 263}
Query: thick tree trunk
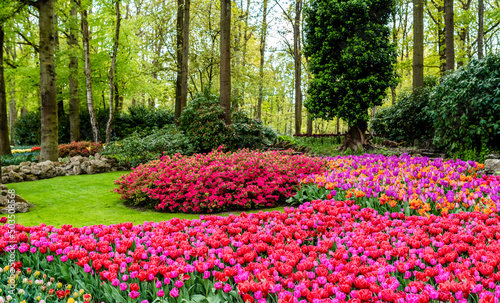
{"x": 4, "y": 128}
{"x": 418, "y": 44}
{"x": 355, "y": 138}
{"x": 480, "y": 30}
{"x": 298, "y": 67}
{"x": 179, "y": 37}
{"x": 225, "y": 59}
{"x": 112, "y": 74}
{"x": 74, "y": 99}
{"x": 449, "y": 33}
{"x": 185, "y": 54}
{"x": 309, "y": 129}
{"x": 88, "y": 76}
{"x": 262, "y": 49}
{"x": 49, "y": 142}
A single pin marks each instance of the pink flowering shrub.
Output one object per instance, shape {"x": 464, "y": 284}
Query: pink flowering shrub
{"x": 217, "y": 181}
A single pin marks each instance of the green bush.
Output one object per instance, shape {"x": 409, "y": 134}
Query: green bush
{"x": 466, "y": 107}
{"x": 409, "y": 119}
{"x": 249, "y": 132}
{"x": 144, "y": 146}
{"x": 201, "y": 121}
{"x": 27, "y": 130}
{"x": 16, "y": 159}
{"x": 140, "y": 117}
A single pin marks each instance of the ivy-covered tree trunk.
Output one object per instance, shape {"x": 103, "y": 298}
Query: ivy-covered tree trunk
{"x": 74, "y": 99}
{"x": 4, "y": 128}
{"x": 48, "y": 93}
{"x": 225, "y": 59}
{"x": 112, "y": 74}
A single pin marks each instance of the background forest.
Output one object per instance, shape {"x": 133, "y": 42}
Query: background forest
{"x": 269, "y": 73}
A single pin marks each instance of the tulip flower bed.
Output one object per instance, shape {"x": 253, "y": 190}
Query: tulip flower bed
{"x": 217, "y": 181}
{"x": 323, "y": 251}
{"x": 33, "y": 286}
{"x": 417, "y": 186}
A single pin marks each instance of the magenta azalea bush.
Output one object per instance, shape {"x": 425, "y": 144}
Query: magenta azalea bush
{"x": 217, "y": 181}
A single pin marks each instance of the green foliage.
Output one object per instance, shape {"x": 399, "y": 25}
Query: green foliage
{"x": 201, "y": 121}
{"x": 16, "y": 159}
{"x": 409, "y": 119}
{"x": 466, "y": 107}
{"x": 144, "y": 146}
{"x": 350, "y": 56}
{"x": 140, "y": 117}
{"x": 27, "y": 130}
{"x": 249, "y": 132}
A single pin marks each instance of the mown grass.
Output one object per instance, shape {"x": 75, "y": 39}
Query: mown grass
{"x": 84, "y": 200}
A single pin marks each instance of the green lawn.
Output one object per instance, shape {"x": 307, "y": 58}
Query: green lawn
{"x": 82, "y": 200}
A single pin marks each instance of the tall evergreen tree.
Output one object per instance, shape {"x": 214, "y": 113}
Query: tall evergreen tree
{"x": 352, "y": 60}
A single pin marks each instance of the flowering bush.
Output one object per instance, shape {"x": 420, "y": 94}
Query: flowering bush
{"x": 324, "y": 251}
{"x": 80, "y": 148}
{"x": 217, "y": 180}
{"x": 414, "y": 185}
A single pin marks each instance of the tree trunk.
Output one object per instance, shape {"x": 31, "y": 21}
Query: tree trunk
{"x": 338, "y": 125}
{"x": 4, "y": 127}
{"x": 298, "y": 67}
{"x": 12, "y": 103}
{"x": 112, "y": 74}
{"x": 74, "y": 99}
{"x": 355, "y": 138}
{"x": 309, "y": 124}
{"x": 185, "y": 54}
{"x": 480, "y": 30}
{"x": 225, "y": 59}
{"x": 179, "y": 36}
{"x": 117, "y": 100}
{"x": 262, "y": 49}
{"x": 49, "y": 142}
{"x": 449, "y": 33}
{"x": 393, "y": 95}
{"x": 88, "y": 76}
{"x": 418, "y": 44}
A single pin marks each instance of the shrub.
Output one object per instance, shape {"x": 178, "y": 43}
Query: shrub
{"x": 466, "y": 107}
{"x": 27, "y": 129}
{"x": 216, "y": 181}
{"x": 409, "y": 119}
{"x": 249, "y": 132}
{"x": 80, "y": 148}
{"x": 17, "y": 158}
{"x": 139, "y": 118}
{"x": 201, "y": 121}
{"x": 141, "y": 147}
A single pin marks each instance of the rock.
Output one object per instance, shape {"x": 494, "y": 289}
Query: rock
{"x": 77, "y": 170}
{"x": 493, "y": 156}
{"x": 25, "y": 164}
{"x": 30, "y": 177}
{"x": 21, "y": 205}
{"x": 97, "y": 157}
{"x": 47, "y": 169}
{"x": 36, "y": 171}
{"x": 25, "y": 170}
{"x": 76, "y": 159}
{"x": 5, "y": 179}
{"x": 3, "y": 187}
{"x": 60, "y": 171}
{"x": 492, "y": 166}
{"x": 16, "y": 177}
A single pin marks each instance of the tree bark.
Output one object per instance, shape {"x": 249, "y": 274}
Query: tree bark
{"x": 225, "y": 59}
{"x": 418, "y": 44}
{"x": 262, "y": 49}
{"x": 4, "y": 127}
{"x": 74, "y": 99}
{"x": 12, "y": 103}
{"x": 179, "y": 37}
{"x": 298, "y": 67}
{"x": 185, "y": 54}
{"x": 88, "y": 76}
{"x": 48, "y": 93}
{"x": 309, "y": 124}
{"x": 112, "y": 74}
{"x": 480, "y": 30}
{"x": 449, "y": 33}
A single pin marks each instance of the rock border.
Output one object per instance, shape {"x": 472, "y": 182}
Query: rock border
{"x": 78, "y": 165}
